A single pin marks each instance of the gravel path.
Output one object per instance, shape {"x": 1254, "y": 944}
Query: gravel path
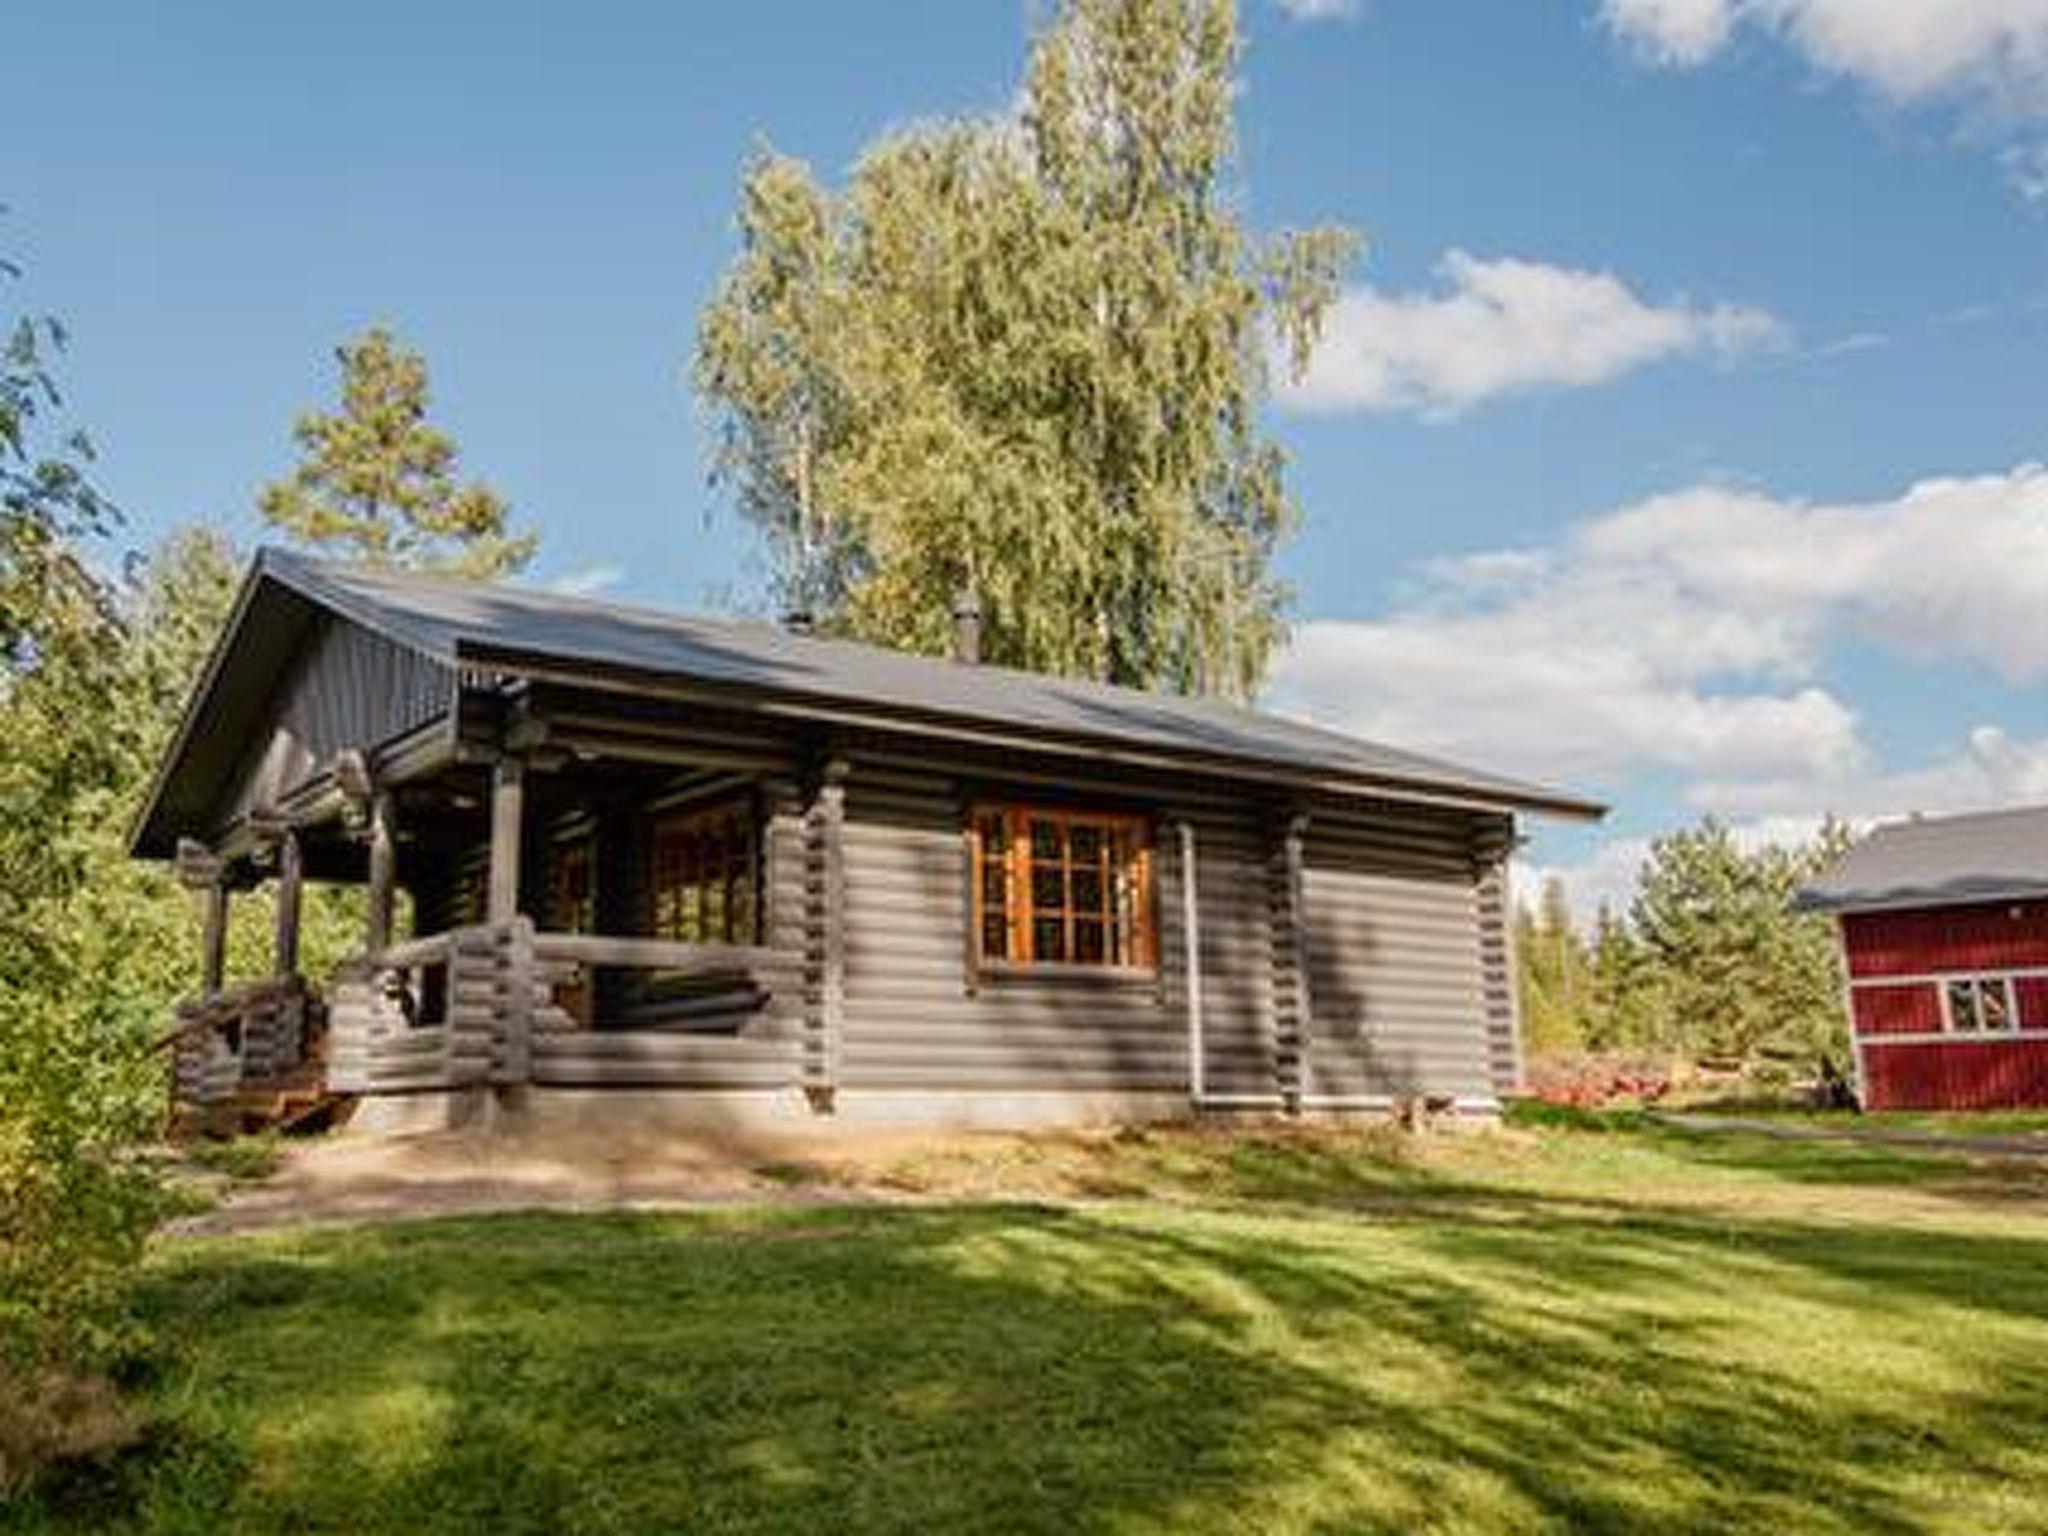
{"x": 1880, "y": 1135}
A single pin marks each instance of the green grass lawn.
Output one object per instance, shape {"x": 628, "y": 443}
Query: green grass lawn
{"x": 1543, "y": 1330}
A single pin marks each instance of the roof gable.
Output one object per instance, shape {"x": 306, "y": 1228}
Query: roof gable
{"x": 290, "y": 682}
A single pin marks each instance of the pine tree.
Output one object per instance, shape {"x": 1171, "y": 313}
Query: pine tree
{"x": 1553, "y": 978}
{"x": 1626, "y": 1012}
{"x": 378, "y": 483}
{"x": 1743, "y": 976}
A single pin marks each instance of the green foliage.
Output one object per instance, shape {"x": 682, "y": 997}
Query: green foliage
{"x": 1555, "y": 978}
{"x": 1022, "y": 358}
{"x": 1743, "y": 976}
{"x": 75, "y": 1203}
{"x": 379, "y": 484}
{"x": 1628, "y": 1009}
{"x": 94, "y": 947}
{"x": 46, "y": 496}
{"x": 1711, "y": 962}
{"x": 94, "y": 950}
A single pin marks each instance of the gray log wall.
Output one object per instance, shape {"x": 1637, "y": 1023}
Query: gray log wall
{"x": 1398, "y": 987}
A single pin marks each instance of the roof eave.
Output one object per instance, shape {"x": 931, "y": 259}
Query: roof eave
{"x": 1909, "y": 899}
{"x": 831, "y": 710}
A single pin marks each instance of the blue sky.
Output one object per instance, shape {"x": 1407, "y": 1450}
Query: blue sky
{"x": 1675, "y": 440}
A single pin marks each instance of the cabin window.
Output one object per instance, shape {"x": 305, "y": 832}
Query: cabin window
{"x": 468, "y": 898}
{"x": 572, "y": 887}
{"x": 1981, "y": 1005}
{"x": 1062, "y": 887}
{"x": 703, "y": 875}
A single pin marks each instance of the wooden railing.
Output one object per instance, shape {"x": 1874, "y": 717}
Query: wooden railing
{"x": 480, "y": 1005}
{"x": 422, "y": 1014}
{"x": 251, "y": 1035}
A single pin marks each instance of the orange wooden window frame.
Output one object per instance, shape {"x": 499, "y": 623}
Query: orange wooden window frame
{"x": 1125, "y": 910}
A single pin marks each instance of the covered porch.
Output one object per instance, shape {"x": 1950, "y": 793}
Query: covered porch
{"x": 557, "y": 914}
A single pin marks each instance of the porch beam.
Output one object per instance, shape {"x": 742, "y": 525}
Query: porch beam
{"x": 508, "y": 815}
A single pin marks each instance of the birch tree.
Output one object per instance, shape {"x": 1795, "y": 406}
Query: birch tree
{"x": 1023, "y": 357}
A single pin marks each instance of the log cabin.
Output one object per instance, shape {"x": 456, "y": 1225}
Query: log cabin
{"x": 1944, "y": 942}
{"x": 620, "y": 861}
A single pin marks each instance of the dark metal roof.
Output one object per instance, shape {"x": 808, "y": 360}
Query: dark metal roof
{"x": 1939, "y": 861}
{"x": 516, "y": 629}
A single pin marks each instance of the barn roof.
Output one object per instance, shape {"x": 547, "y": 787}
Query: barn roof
{"x": 521, "y": 630}
{"x": 1939, "y": 861}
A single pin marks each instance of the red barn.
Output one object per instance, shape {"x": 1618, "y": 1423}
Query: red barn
{"x": 1944, "y": 927}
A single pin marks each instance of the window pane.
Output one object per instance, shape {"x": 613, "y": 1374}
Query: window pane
{"x": 1993, "y": 1006}
{"x": 1085, "y": 898}
{"x": 1048, "y": 939}
{"x": 1962, "y": 1005}
{"x": 1046, "y": 842}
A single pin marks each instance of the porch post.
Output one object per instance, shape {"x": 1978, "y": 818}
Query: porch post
{"x": 383, "y": 872}
{"x": 508, "y": 809}
{"x": 290, "y": 891}
{"x": 213, "y": 949}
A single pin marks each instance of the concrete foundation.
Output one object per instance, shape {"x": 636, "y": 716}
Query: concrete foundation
{"x": 635, "y": 1114}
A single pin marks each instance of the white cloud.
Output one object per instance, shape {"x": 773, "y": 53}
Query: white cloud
{"x": 1987, "y": 770}
{"x": 2026, "y": 169}
{"x": 1687, "y": 634}
{"x": 1504, "y": 325}
{"x": 1318, "y": 10}
{"x": 1680, "y": 33}
{"x": 1607, "y": 876}
{"x": 587, "y": 581}
{"x": 1992, "y": 51}
{"x": 1855, "y": 341}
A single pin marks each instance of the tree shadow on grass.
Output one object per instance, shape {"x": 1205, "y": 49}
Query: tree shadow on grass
{"x": 1511, "y": 1363}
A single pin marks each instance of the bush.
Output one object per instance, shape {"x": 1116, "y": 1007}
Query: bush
{"x": 77, "y": 1203}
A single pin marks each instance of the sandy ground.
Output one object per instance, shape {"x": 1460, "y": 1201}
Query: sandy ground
{"x": 347, "y": 1179}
